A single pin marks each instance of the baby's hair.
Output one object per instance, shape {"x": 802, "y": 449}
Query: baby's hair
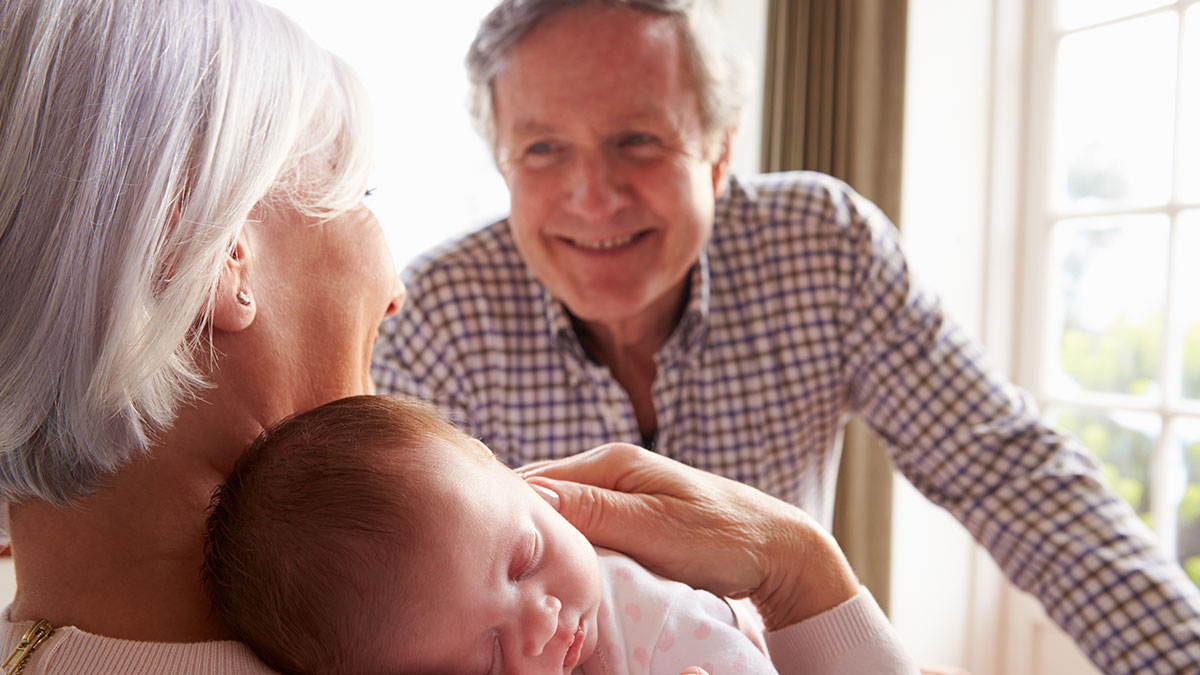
{"x": 321, "y": 496}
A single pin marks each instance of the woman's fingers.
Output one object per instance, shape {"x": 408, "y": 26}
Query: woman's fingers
{"x": 680, "y": 522}
{"x": 704, "y": 530}
{"x": 611, "y": 519}
{"x": 608, "y": 466}
{"x": 701, "y": 545}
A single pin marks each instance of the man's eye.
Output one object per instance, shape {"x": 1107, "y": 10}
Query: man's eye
{"x": 638, "y": 139}
{"x": 542, "y": 154}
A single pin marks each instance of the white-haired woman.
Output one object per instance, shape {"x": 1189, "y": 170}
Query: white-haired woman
{"x": 184, "y": 258}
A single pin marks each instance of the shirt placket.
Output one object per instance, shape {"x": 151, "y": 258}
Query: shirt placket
{"x": 613, "y": 406}
{"x": 673, "y": 362}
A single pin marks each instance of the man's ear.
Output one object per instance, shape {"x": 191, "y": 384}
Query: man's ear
{"x": 721, "y": 160}
{"x": 234, "y": 306}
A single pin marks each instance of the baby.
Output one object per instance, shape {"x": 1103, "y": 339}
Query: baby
{"x": 369, "y": 536}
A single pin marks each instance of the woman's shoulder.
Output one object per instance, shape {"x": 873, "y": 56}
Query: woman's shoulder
{"x": 68, "y": 650}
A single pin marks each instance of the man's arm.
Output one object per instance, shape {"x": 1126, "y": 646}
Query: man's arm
{"x": 976, "y": 445}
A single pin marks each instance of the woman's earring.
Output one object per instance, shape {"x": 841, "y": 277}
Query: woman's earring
{"x": 243, "y": 298}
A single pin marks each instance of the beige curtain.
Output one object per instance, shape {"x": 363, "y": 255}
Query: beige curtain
{"x": 833, "y": 102}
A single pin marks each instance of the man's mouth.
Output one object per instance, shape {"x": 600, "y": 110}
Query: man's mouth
{"x": 606, "y": 244}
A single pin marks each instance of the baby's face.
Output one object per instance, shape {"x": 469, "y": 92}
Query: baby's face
{"x": 509, "y": 585}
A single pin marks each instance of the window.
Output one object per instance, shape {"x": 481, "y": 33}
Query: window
{"x": 1114, "y": 236}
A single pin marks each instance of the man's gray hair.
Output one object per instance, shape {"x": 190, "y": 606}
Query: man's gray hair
{"x": 718, "y": 71}
{"x": 135, "y": 138}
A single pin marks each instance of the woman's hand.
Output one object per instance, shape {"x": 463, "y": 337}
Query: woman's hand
{"x": 704, "y": 530}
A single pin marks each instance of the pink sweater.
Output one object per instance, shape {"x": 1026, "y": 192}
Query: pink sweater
{"x": 852, "y": 638}
{"x": 70, "y": 651}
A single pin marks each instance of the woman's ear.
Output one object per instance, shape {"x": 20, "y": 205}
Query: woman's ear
{"x": 234, "y": 307}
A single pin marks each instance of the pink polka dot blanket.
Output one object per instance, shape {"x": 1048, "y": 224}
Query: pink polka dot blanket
{"x": 648, "y": 625}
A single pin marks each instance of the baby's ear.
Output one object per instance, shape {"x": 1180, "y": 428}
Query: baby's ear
{"x": 234, "y": 307}
{"x": 482, "y": 447}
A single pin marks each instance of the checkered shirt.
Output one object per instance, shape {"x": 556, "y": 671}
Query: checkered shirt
{"x": 801, "y": 312}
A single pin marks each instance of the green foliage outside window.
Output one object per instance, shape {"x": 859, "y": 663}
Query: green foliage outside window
{"x": 1125, "y": 359}
{"x": 1189, "y": 515}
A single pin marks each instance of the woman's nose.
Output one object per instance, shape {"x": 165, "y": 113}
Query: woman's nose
{"x": 540, "y": 624}
{"x": 399, "y": 292}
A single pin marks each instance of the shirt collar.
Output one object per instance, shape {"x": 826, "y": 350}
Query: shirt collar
{"x": 695, "y": 315}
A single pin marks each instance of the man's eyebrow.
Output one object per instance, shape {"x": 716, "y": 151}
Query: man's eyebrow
{"x": 645, "y": 114}
{"x": 648, "y": 113}
{"x": 528, "y": 127}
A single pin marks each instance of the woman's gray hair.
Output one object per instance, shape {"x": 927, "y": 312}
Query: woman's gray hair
{"x": 719, "y": 72}
{"x": 135, "y": 138}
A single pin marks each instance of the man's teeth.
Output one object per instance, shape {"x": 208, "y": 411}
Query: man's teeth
{"x": 607, "y": 243}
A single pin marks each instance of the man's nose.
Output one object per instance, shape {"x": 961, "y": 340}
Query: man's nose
{"x": 540, "y": 624}
{"x": 595, "y": 189}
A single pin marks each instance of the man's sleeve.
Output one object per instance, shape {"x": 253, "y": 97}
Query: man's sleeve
{"x": 976, "y": 445}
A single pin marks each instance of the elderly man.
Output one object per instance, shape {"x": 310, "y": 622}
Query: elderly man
{"x": 638, "y": 292}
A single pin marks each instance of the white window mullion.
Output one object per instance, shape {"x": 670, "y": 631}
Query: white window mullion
{"x": 1168, "y": 474}
{"x": 1062, "y": 32}
{"x": 1171, "y": 367}
{"x": 1168, "y": 481}
{"x": 1033, "y": 337}
{"x": 1181, "y": 55}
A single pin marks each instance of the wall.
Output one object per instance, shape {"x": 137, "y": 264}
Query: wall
{"x": 746, "y": 23}
{"x": 944, "y": 216}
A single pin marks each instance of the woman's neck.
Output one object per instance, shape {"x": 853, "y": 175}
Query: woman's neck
{"x": 124, "y": 562}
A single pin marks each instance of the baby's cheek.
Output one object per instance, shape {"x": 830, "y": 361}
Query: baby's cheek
{"x": 586, "y": 564}
{"x": 590, "y": 642}
{"x": 595, "y": 583}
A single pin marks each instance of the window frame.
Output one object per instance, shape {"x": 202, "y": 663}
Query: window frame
{"x": 1036, "y": 348}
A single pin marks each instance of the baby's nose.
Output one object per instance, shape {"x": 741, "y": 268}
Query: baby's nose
{"x": 541, "y": 624}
